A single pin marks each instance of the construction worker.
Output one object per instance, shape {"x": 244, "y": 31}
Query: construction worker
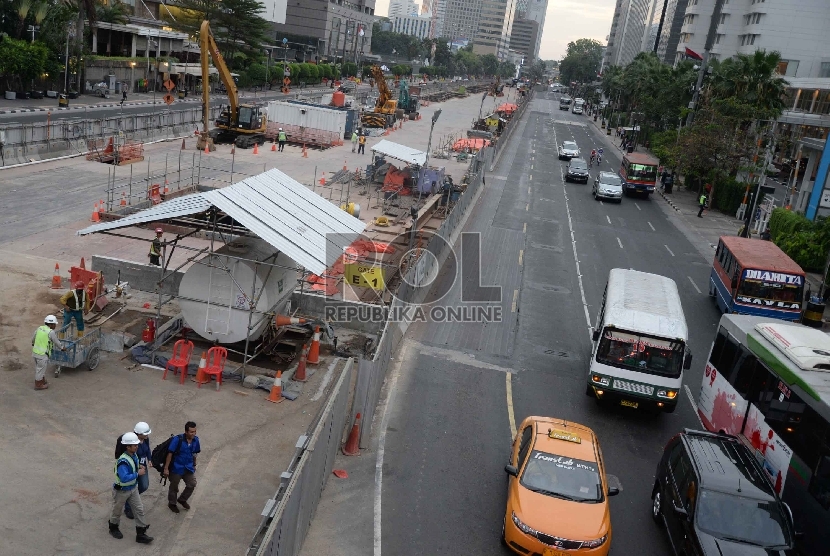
{"x": 43, "y": 341}
{"x": 155, "y": 248}
{"x": 361, "y": 149}
{"x": 354, "y": 140}
{"x": 282, "y": 138}
{"x": 142, "y": 430}
{"x": 127, "y": 471}
{"x": 76, "y": 303}
{"x": 702, "y": 203}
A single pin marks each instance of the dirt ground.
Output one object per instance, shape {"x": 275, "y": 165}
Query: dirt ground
{"x": 57, "y": 444}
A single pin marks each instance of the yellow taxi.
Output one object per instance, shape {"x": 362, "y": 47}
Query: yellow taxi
{"x": 557, "y": 497}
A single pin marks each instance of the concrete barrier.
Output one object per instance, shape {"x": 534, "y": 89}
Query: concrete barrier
{"x": 142, "y": 277}
{"x": 315, "y": 304}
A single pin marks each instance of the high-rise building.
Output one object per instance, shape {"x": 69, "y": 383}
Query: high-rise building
{"x": 673, "y": 12}
{"x": 495, "y": 23}
{"x": 526, "y": 36}
{"x": 795, "y": 28}
{"x": 460, "y": 19}
{"x": 414, "y": 25}
{"x": 631, "y": 21}
{"x": 402, "y": 8}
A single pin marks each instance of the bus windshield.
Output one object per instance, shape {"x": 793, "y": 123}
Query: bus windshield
{"x": 646, "y": 354}
{"x": 772, "y": 291}
{"x": 643, "y": 172}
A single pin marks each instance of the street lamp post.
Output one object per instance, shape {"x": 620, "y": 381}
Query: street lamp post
{"x": 429, "y": 142}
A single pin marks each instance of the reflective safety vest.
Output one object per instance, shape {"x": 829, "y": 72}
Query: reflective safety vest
{"x": 282, "y": 136}
{"x": 702, "y": 200}
{"x": 362, "y": 139}
{"x": 155, "y": 247}
{"x": 133, "y": 466}
{"x": 354, "y": 137}
{"x": 42, "y": 345}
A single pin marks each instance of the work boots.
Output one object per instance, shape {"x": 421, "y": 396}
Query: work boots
{"x": 114, "y": 531}
{"x": 141, "y": 535}
{"x": 41, "y": 384}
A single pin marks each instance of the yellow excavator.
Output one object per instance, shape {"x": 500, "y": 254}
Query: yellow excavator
{"x": 383, "y": 115}
{"x": 241, "y": 124}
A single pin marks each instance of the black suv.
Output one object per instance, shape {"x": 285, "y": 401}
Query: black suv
{"x": 577, "y": 170}
{"x": 715, "y": 499}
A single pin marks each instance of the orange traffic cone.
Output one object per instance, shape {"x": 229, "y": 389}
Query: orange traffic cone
{"x": 282, "y": 320}
{"x": 323, "y": 178}
{"x": 314, "y": 352}
{"x": 200, "y": 377}
{"x": 273, "y": 147}
{"x": 123, "y": 200}
{"x": 196, "y": 132}
{"x": 95, "y": 216}
{"x": 56, "y": 278}
{"x": 256, "y": 148}
{"x": 345, "y": 168}
{"x": 299, "y": 374}
{"x": 207, "y": 150}
{"x": 352, "y": 446}
{"x": 305, "y": 151}
{"x": 276, "y": 390}
{"x": 83, "y": 264}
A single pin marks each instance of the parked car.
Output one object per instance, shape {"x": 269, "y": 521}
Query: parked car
{"x": 577, "y": 171}
{"x": 568, "y": 150}
{"x": 607, "y": 185}
{"x": 713, "y": 497}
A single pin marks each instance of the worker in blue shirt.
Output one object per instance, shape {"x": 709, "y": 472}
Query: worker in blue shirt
{"x": 180, "y": 465}
{"x": 127, "y": 471}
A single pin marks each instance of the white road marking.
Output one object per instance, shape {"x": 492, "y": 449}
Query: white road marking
{"x": 694, "y": 285}
{"x": 515, "y": 299}
{"x": 638, "y": 206}
{"x": 669, "y": 250}
{"x": 527, "y": 207}
{"x": 510, "y": 413}
{"x": 528, "y": 190}
{"x": 524, "y": 228}
{"x": 652, "y": 227}
{"x": 521, "y": 256}
{"x": 620, "y": 242}
{"x": 694, "y": 404}
{"x": 530, "y": 178}
{"x": 531, "y": 166}
{"x": 384, "y": 422}
{"x": 608, "y": 218}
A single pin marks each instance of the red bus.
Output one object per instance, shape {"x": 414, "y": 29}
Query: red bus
{"x": 755, "y": 277}
{"x": 639, "y": 173}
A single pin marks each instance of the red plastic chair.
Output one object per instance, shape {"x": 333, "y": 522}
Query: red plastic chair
{"x": 182, "y": 350}
{"x": 216, "y": 357}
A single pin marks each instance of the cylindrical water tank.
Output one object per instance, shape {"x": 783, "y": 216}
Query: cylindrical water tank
{"x": 338, "y": 98}
{"x": 216, "y": 292}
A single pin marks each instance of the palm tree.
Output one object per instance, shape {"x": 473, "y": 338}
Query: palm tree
{"x": 752, "y": 79}
{"x": 113, "y": 12}
{"x": 23, "y": 7}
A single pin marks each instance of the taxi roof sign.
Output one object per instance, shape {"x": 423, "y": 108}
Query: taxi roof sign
{"x": 564, "y": 435}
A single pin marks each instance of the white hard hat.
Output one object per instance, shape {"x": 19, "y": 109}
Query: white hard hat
{"x": 129, "y": 439}
{"x": 142, "y": 428}
{"x": 280, "y": 129}
{"x": 51, "y": 319}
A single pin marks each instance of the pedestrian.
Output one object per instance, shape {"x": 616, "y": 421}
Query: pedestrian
{"x": 181, "y": 466}
{"x": 282, "y": 138}
{"x": 361, "y": 149}
{"x": 702, "y": 204}
{"x": 127, "y": 471}
{"x": 155, "y": 248}
{"x": 123, "y": 96}
{"x": 43, "y": 341}
{"x": 354, "y": 140}
{"x": 76, "y": 303}
{"x": 142, "y": 430}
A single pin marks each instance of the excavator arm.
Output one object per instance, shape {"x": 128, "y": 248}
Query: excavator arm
{"x": 209, "y": 49}
{"x": 384, "y": 94}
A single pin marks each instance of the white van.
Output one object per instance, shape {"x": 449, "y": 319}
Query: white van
{"x": 639, "y": 342}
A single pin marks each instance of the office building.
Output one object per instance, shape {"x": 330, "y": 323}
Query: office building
{"x": 673, "y": 12}
{"x": 495, "y": 23}
{"x": 526, "y": 36}
{"x": 631, "y": 22}
{"x": 415, "y": 25}
{"x": 402, "y": 8}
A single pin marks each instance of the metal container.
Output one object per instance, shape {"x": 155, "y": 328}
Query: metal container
{"x": 307, "y": 116}
{"x": 216, "y": 291}
{"x": 813, "y": 313}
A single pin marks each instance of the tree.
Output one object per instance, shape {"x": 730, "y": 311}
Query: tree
{"x": 21, "y": 61}
{"x": 582, "y": 61}
{"x": 754, "y": 79}
{"x": 507, "y": 70}
{"x": 489, "y": 64}
{"x": 536, "y": 72}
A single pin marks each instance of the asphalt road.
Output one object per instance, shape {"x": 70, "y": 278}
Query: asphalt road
{"x": 449, "y": 425}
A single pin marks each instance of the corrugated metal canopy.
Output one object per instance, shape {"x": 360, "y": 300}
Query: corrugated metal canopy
{"x": 273, "y": 206}
{"x": 401, "y": 152}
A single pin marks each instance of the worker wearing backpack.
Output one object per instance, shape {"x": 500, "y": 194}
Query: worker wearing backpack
{"x": 127, "y": 471}
{"x": 142, "y": 430}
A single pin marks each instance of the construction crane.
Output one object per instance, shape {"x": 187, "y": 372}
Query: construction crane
{"x": 383, "y": 115}
{"x": 241, "y": 124}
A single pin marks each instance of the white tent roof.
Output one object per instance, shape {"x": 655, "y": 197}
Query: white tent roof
{"x": 401, "y": 152}
{"x": 276, "y": 208}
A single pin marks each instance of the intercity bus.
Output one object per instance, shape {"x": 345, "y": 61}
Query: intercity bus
{"x": 754, "y": 277}
{"x": 639, "y": 350}
{"x": 639, "y": 173}
{"x": 768, "y": 382}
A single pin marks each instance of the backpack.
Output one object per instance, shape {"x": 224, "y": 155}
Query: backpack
{"x": 159, "y": 456}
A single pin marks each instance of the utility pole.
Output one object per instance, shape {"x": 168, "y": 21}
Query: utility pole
{"x": 710, "y": 41}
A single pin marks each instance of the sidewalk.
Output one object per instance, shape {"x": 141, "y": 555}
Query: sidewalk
{"x": 86, "y": 101}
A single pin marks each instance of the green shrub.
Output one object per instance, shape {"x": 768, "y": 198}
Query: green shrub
{"x": 805, "y": 242}
{"x": 729, "y": 194}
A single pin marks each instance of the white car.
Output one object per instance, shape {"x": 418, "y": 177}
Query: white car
{"x": 607, "y": 185}
{"x": 568, "y": 150}
{"x": 578, "y": 109}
